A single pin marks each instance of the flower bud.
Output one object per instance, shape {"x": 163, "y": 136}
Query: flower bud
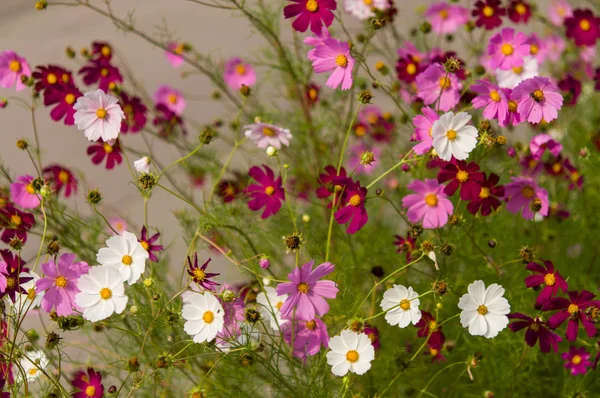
{"x": 305, "y": 218}
{"x": 245, "y": 91}
{"x": 425, "y": 27}
{"x": 264, "y": 263}
{"x": 41, "y": 5}
{"x": 94, "y": 197}
{"x": 271, "y": 151}
{"x": 207, "y": 135}
{"x": 365, "y": 97}
{"x": 148, "y": 282}
{"x": 22, "y": 144}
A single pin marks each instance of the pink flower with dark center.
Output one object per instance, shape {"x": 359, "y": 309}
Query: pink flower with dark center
{"x": 308, "y": 336}
{"x": 542, "y": 142}
{"x": 101, "y": 150}
{"x": 492, "y": 99}
{"x": 60, "y": 284}
{"x": 147, "y": 243}
{"x": 423, "y": 125}
{"x": 315, "y": 13}
{"x": 22, "y": 192}
{"x": 577, "y": 360}
{"x": 547, "y": 276}
{"x": 489, "y": 196}
{"x": 574, "y": 309}
{"x": 12, "y": 69}
{"x": 519, "y": 11}
{"x": 538, "y": 98}
{"x": 558, "y": 11}
{"x": 446, "y": 18}
{"x": 64, "y": 96}
{"x": 268, "y": 193}
{"x": 135, "y": 113}
{"x": 536, "y": 330}
{"x": 171, "y": 98}
{"x": 61, "y": 177}
{"x": 519, "y": 195}
{"x": 461, "y": 175}
{"x": 174, "y": 55}
{"x": 583, "y": 27}
{"x": 238, "y": 73}
{"x": 352, "y": 208}
{"x": 101, "y": 72}
{"x": 334, "y": 55}
{"x": 429, "y": 204}
{"x": 507, "y": 49}
{"x": 438, "y": 87}
{"x": 89, "y": 384}
{"x": 306, "y": 292}
{"x": 488, "y": 13}
{"x": 16, "y": 224}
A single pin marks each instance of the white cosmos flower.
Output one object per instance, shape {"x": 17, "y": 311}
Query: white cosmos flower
{"x": 98, "y": 115}
{"x": 125, "y": 254}
{"x": 350, "y": 351}
{"x": 142, "y": 165}
{"x": 363, "y": 9}
{"x": 33, "y": 365}
{"x": 241, "y": 337}
{"x": 24, "y": 301}
{"x": 101, "y": 293}
{"x": 484, "y": 310}
{"x": 270, "y": 305}
{"x": 265, "y": 135}
{"x": 452, "y": 137}
{"x": 510, "y": 78}
{"x": 403, "y": 306}
{"x": 204, "y": 315}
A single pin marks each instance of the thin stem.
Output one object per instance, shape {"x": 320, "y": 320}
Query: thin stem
{"x": 394, "y": 167}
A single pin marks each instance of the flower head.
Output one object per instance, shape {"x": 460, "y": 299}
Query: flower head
{"x": 452, "y": 137}
{"x": 89, "y": 384}
{"x": 142, "y": 165}
{"x": 168, "y": 122}
{"x": 171, "y": 98}
{"x": 539, "y": 99}
{"x": 16, "y": 223}
{"x": 352, "y": 206}
{"x": 101, "y": 293}
{"x": 22, "y": 192}
{"x": 461, "y": 175}
{"x": 536, "y": 330}
{"x": 334, "y": 55}
{"x": 363, "y": 10}
{"x": 401, "y": 305}
{"x": 438, "y": 87}
{"x": 147, "y": 243}
{"x": 519, "y": 195}
{"x": 507, "y": 49}
{"x": 492, "y": 99}
{"x": 542, "y": 142}
{"x": 98, "y": 115}
{"x": 329, "y": 184}
{"x": 573, "y": 309}
{"x": 571, "y": 87}
{"x": 488, "y": 13}
{"x": 204, "y": 316}
{"x": 32, "y": 297}
{"x": 173, "y": 54}
{"x": 135, "y": 113}
{"x": 489, "y": 196}
{"x": 52, "y": 78}
{"x": 307, "y": 336}
{"x": 12, "y": 69}
{"x": 315, "y": 13}
{"x": 546, "y": 276}
{"x": 484, "y": 310}
{"x": 101, "y": 150}
{"x": 238, "y": 73}
{"x": 583, "y": 27}
{"x": 350, "y": 352}
{"x": 125, "y": 254}
{"x": 267, "y": 193}
{"x": 406, "y": 245}
{"x": 558, "y": 11}
{"x": 265, "y": 134}
{"x": 446, "y": 18}
{"x": 428, "y": 205}
{"x": 510, "y": 78}
{"x": 199, "y": 274}
{"x": 32, "y": 365}
{"x": 577, "y": 360}
{"x": 270, "y": 306}
{"x": 60, "y": 177}
{"x": 519, "y": 11}
{"x": 423, "y": 126}
{"x": 373, "y": 334}
{"x": 513, "y": 118}
{"x": 64, "y": 97}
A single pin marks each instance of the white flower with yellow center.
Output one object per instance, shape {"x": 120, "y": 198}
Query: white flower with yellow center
{"x": 452, "y": 137}
{"x": 29, "y": 300}
{"x": 203, "y": 314}
{"x": 101, "y": 293}
{"x": 125, "y": 254}
{"x": 350, "y": 352}
{"x": 98, "y": 115}
{"x": 265, "y": 135}
{"x": 33, "y": 363}
{"x": 142, "y": 165}
{"x": 270, "y": 306}
{"x": 511, "y": 78}
{"x": 484, "y": 310}
{"x": 363, "y": 9}
{"x": 402, "y": 306}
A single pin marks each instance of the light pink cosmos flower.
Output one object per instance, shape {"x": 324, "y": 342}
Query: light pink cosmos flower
{"x": 513, "y": 118}
{"x": 507, "y": 49}
{"x": 175, "y": 60}
{"x": 118, "y": 224}
{"x": 308, "y": 336}
{"x": 3, "y": 274}
{"x": 60, "y": 284}
{"x": 429, "y": 204}
{"x": 99, "y": 115}
{"x": 171, "y": 98}
{"x": 446, "y": 18}
{"x": 315, "y": 41}
{"x": 555, "y": 46}
{"x": 306, "y": 292}
{"x": 541, "y": 142}
{"x": 520, "y": 193}
{"x": 423, "y": 124}
{"x": 435, "y": 83}
{"x": 538, "y": 99}
{"x": 265, "y": 134}
{"x": 492, "y": 99}
{"x": 12, "y": 68}
{"x": 558, "y": 11}
{"x": 537, "y": 48}
{"x": 334, "y": 55}
{"x": 238, "y": 73}
{"x": 23, "y": 193}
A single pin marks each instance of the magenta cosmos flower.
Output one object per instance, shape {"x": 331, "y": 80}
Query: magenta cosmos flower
{"x": 16, "y": 224}
{"x": 488, "y": 14}
{"x": 429, "y": 204}
{"x": 489, "y": 196}
{"x": 577, "y": 360}
{"x": 12, "y": 69}
{"x": 513, "y": 117}
{"x": 373, "y": 334}
{"x": 238, "y": 73}
{"x": 135, "y": 113}
{"x": 328, "y": 184}
{"x": 519, "y": 11}
{"x": 352, "y": 206}
{"x": 173, "y": 55}
{"x": 547, "y": 276}
{"x": 492, "y": 99}
{"x": 60, "y": 284}
{"x": 542, "y": 142}
{"x": 519, "y": 195}
{"x": 538, "y": 99}
{"x": 583, "y": 27}
{"x": 101, "y": 150}
{"x": 268, "y": 193}
{"x": 16, "y": 274}
{"x": 63, "y": 96}
{"x": 334, "y": 55}
{"x": 22, "y": 192}
{"x": 315, "y": 13}
{"x": 423, "y": 124}
{"x": 573, "y": 309}
{"x": 435, "y": 84}
{"x": 306, "y": 293}
{"x": 89, "y": 384}
{"x": 406, "y": 245}
{"x": 101, "y": 72}
{"x": 446, "y": 18}
{"x": 168, "y": 122}
{"x": 461, "y": 175}
{"x": 61, "y": 177}
{"x": 147, "y": 243}
{"x": 536, "y": 330}
{"x": 308, "y": 336}
{"x": 506, "y": 50}
{"x": 199, "y": 274}
{"x": 171, "y": 98}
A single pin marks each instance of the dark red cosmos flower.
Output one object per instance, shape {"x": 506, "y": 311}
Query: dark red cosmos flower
{"x": 14, "y": 267}
{"x": 312, "y": 94}
{"x": 327, "y": 187}
{"x": 519, "y": 11}
{"x": 101, "y": 72}
{"x": 597, "y": 79}
{"x": 230, "y": 189}
{"x": 64, "y": 96}
{"x": 148, "y": 243}
{"x": 583, "y": 27}
{"x": 135, "y": 113}
{"x": 3, "y": 374}
{"x": 168, "y": 121}
{"x": 555, "y": 167}
{"x": 16, "y": 224}
{"x": 101, "y": 150}
{"x": 531, "y": 167}
{"x": 406, "y": 245}
{"x": 559, "y": 211}
{"x": 571, "y": 89}
{"x": 547, "y": 276}
{"x": 428, "y": 326}
{"x": 61, "y": 177}
{"x": 536, "y": 330}
{"x": 488, "y": 13}
{"x": 488, "y": 197}
{"x": 101, "y": 50}
{"x": 315, "y": 13}
{"x": 51, "y": 77}
{"x": 352, "y": 205}
{"x": 89, "y": 384}
{"x": 461, "y": 175}
{"x": 573, "y": 309}
{"x": 573, "y": 175}
{"x": 199, "y": 274}
{"x": 408, "y": 67}
{"x": 373, "y": 334}
{"x": 436, "y": 353}
{"x": 268, "y": 193}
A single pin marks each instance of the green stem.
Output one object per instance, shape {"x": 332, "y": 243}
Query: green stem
{"x": 394, "y": 167}
{"x": 179, "y": 160}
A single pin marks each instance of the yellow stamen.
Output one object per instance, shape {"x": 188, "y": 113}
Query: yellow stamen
{"x": 14, "y": 66}
{"x": 495, "y": 96}
{"x": 411, "y": 69}
{"x": 70, "y": 99}
{"x": 312, "y": 5}
{"x": 484, "y": 193}
{"x": 352, "y": 356}
{"x": 303, "y": 287}
{"x": 61, "y": 281}
{"x": 269, "y": 190}
{"x": 11, "y": 282}
{"x": 199, "y": 274}
{"x": 549, "y": 279}
{"x": 145, "y": 245}
{"x": 90, "y": 391}
{"x": 576, "y": 359}
{"x": 488, "y": 11}
{"x": 16, "y": 220}
{"x": 106, "y": 52}
{"x": 103, "y": 72}
{"x": 172, "y": 98}
{"x": 528, "y": 192}
{"x": 101, "y": 113}
{"x": 355, "y": 200}
{"x": 584, "y": 24}
{"x": 105, "y": 293}
{"x": 360, "y": 130}
{"x": 462, "y": 176}
{"x": 538, "y": 96}
{"x": 311, "y": 325}
{"x": 444, "y": 14}
{"x": 107, "y": 148}
{"x": 445, "y": 83}
{"x": 268, "y": 131}
{"x": 30, "y": 189}
{"x": 573, "y": 309}
{"x": 341, "y": 60}
{"x": 512, "y": 106}
{"x": 405, "y": 304}
{"x": 451, "y": 134}
{"x": 521, "y": 9}
{"x": 482, "y": 309}
{"x": 208, "y": 317}
{"x": 507, "y": 49}
{"x": 431, "y": 199}
{"x": 518, "y": 70}
{"x": 51, "y": 78}
{"x": 240, "y": 69}
{"x": 533, "y": 49}
{"x": 127, "y": 259}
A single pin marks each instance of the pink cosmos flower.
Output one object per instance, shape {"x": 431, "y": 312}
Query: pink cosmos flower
{"x": 314, "y": 41}
{"x": 356, "y": 158}
{"x": 89, "y": 384}
{"x": 545, "y": 275}
{"x": 537, "y": 48}
{"x": 352, "y": 207}
{"x": 99, "y": 115}
{"x": 507, "y": 49}
{"x": 513, "y": 117}
{"x": 12, "y": 69}
{"x": 538, "y": 98}
{"x": 309, "y": 336}
{"x": 577, "y": 360}
{"x": 541, "y": 142}
{"x": 23, "y": 193}
{"x": 572, "y": 309}
{"x": 429, "y": 204}
{"x": 102, "y": 72}
{"x": 174, "y": 56}
{"x": 60, "y": 284}
{"x": 334, "y": 55}
{"x": 492, "y": 98}
{"x": 435, "y": 83}
{"x": 446, "y": 18}
{"x": 61, "y": 177}
{"x": 171, "y": 98}
{"x": 423, "y": 124}
{"x": 168, "y": 122}
{"x": 306, "y": 293}
{"x": 583, "y": 27}
{"x": 238, "y": 73}
{"x": 268, "y": 193}
{"x": 555, "y": 46}
{"x": 558, "y": 11}
{"x": 315, "y": 13}
{"x": 519, "y": 195}
{"x": 3, "y": 275}
{"x": 118, "y": 224}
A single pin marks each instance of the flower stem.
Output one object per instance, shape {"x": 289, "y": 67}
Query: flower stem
{"x": 394, "y": 167}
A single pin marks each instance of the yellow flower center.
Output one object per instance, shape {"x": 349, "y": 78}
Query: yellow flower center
{"x": 103, "y": 72}
{"x": 576, "y": 359}
{"x": 101, "y": 113}
{"x": 15, "y": 66}
{"x": 179, "y": 49}
{"x": 482, "y": 309}
{"x": 51, "y": 78}
{"x": 533, "y": 49}
{"x": 549, "y": 279}
{"x": 268, "y": 131}
{"x": 352, "y": 356}
{"x": 65, "y": 77}
{"x": 31, "y": 293}
{"x": 411, "y": 69}
{"x": 105, "y": 293}
{"x": 269, "y": 190}
{"x": 70, "y": 98}
{"x": 495, "y": 96}
{"x": 199, "y": 274}
{"x": 521, "y": 9}
{"x": 488, "y": 11}
{"x": 90, "y": 391}
{"x": 556, "y": 167}
{"x": 16, "y": 220}
{"x": 432, "y": 325}
{"x": 538, "y": 96}
{"x": 574, "y": 176}
{"x": 444, "y": 14}
{"x": 354, "y": 200}
{"x": 368, "y": 2}
{"x": 61, "y": 281}
{"x": 208, "y": 317}
{"x": 507, "y": 49}
{"x": 30, "y": 189}
{"x": 172, "y": 98}
{"x": 145, "y": 245}
{"x": 517, "y": 70}
{"x": 279, "y": 305}
{"x": 451, "y": 134}
{"x": 484, "y": 193}
{"x": 528, "y": 192}
{"x": 360, "y": 130}
{"x": 573, "y": 309}
{"x": 341, "y": 60}
{"x": 312, "y": 94}
{"x": 11, "y": 282}
{"x": 311, "y": 325}
{"x": 303, "y": 287}
{"x": 106, "y": 52}
{"x": 462, "y": 176}
{"x": 584, "y": 24}
{"x": 32, "y": 371}
{"x": 431, "y": 199}
{"x": 107, "y": 148}
{"x": 240, "y": 69}
{"x": 434, "y": 352}
{"x": 63, "y": 176}
{"x": 512, "y": 106}
{"x": 445, "y": 83}
{"x": 405, "y": 304}
{"x": 127, "y": 259}
{"x": 535, "y": 327}
{"x": 312, "y": 5}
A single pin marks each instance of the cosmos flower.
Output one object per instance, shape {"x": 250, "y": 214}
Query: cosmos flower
{"x": 12, "y": 69}
{"x": 125, "y": 254}
{"x": 507, "y": 49}
{"x": 438, "y": 87}
{"x": 52, "y": 78}
{"x": 118, "y": 224}
{"x": 542, "y": 142}
{"x": 135, "y": 113}
{"x": 101, "y": 50}
{"x": 267, "y": 193}
{"x": 513, "y": 117}
{"x": 577, "y": 360}
{"x": 484, "y": 310}
{"x": 446, "y": 18}
{"x": 32, "y": 298}
{"x": 519, "y": 11}
{"x": 327, "y": 184}
{"x": 547, "y": 276}
{"x": 266, "y": 134}
{"x": 539, "y": 99}
{"x": 173, "y": 54}
{"x": 536, "y": 330}
{"x": 315, "y": 13}
{"x": 423, "y": 125}
{"x": 101, "y": 293}
{"x": 363, "y": 9}
{"x": 237, "y": 73}
{"x": 401, "y": 305}
{"x": 60, "y": 177}
{"x": 489, "y": 196}
{"x": 32, "y": 366}
{"x": 571, "y": 87}
{"x": 308, "y": 336}
{"x": 488, "y": 14}
{"x": 171, "y": 98}
{"x": 492, "y": 99}
{"x": 16, "y": 224}
{"x": 461, "y": 175}
{"x": 510, "y": 78}
{"x": 98, "y": 115}
{"x": 147, "y": 243}
{"x": 168, "y": 122}
{"x": 558, "y": 11}
{"x": 142, "y": 165}
{"x": 537, "y": 48}
{"x": 350, "y": 352}
{"x": 452, "y": 137}
{"x": 101, "y": 72}
{"x": 583, "y": 27}
{"x": 429, "y": 204}
{"x": 353, "y": 207}
{"x": 64, "y": 99}
{"x": 22, "y": 192}
{"x": 373, "y": 334}
{"x": 270, "y": 306}
{"x": 572, "y": 309}
{"x": 89, "y": 384}
{"x": 519, "y": 195}
{"x": 334, "y": 55}
{"x": 101, "y": 150}
{"x": 204, "y": 316}
{"x": 405, "y": 245}
{"x": 199, "y": 274}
